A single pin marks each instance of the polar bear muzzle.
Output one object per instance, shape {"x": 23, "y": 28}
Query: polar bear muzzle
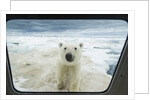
{"x": 69, "y": 57}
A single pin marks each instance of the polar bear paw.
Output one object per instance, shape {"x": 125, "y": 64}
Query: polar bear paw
{"x": 60, "y": 86}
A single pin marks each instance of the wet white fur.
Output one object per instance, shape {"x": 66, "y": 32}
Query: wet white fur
{"x": 70, "y": 70}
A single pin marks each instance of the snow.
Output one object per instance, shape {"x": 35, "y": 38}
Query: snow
{"x": 41, "y": 54}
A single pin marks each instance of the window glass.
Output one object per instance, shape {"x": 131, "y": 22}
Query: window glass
{"x": 37, "y": 47}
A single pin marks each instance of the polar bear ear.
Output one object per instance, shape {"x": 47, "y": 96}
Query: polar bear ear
{"x": 60, "y": 45}
{"x": 81, "y": 45}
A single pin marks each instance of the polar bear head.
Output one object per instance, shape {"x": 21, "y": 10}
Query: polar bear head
{"x": 70, "y": 53}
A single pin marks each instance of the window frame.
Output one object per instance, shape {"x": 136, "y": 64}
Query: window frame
{"x": 119, "y": 81}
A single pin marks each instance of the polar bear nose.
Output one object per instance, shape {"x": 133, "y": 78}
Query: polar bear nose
{"x": 69, "y": 57}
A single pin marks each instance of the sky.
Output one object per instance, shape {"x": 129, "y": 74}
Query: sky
{"x": 77, "y": 28}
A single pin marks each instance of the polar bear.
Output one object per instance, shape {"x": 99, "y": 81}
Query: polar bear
{"x": 68, "y": 65}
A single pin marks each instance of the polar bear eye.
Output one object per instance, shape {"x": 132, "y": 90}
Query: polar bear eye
{"x": 65, "y": 48}
{"x": 75, "y": 48}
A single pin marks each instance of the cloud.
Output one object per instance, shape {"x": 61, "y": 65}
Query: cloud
{"x": 67, "y": 27}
